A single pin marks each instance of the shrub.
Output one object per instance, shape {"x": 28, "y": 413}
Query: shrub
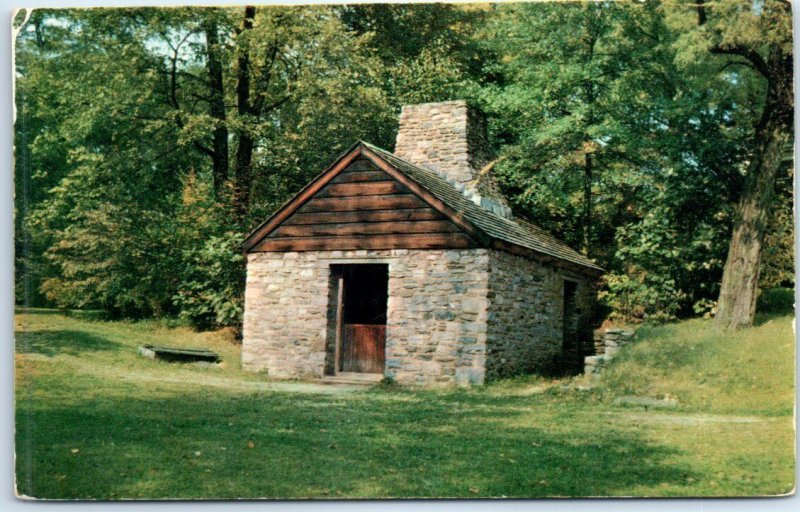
{"x": 211, "y": 290}
{"x": 776, "y": 301}
{"x": 638, "y": 299}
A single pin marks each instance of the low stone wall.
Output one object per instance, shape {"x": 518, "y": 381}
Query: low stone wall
{"x": 607, "y": 344}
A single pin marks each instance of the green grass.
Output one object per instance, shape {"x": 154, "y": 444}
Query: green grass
{"x": 747, "y": 372}
{"x": 94, "y": 420}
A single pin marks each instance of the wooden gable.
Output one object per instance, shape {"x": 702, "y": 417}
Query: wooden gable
{"x": 360, "y": 206}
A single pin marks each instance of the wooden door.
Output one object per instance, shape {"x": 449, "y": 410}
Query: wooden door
{"x": 363, "y": 348}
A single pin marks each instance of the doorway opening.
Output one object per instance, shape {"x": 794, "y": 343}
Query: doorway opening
{"x": 359, "y": 319}
{"x": 570, "y": 347}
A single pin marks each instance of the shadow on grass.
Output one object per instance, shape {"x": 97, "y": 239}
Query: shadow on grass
{"x": 81, "y": 314}
{"x": 53, "y": 343}
{"x": 21, "y": 310}
{"x": 774, "y": 303}
{"x": 295, "y": 446}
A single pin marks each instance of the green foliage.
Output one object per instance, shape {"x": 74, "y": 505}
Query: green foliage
{"x": 777, "y": 258}
{"x": 118, "y": 208}
{"x": 642, "y": 297}
{"x": 211, "y": 289}
{"x": 667, "y": 125}
{"x": 776, "y": 301}
{"x": 210, "y": 284}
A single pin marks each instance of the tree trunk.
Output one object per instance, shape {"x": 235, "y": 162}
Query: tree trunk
{"x": 593, "y": 30}
{"x": 217, "y": 106}
{"x": 244, "y": 151}
{"x": 588, "y": 171}
{"x": 737, "y": 298}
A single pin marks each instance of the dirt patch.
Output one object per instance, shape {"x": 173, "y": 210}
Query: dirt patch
{"x": 687, "y": 419}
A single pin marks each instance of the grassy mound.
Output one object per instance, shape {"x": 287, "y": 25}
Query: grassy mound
{"x": 747, "y": 372}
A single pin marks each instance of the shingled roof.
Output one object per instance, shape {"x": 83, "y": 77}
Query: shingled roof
{"x": 517, "y": 232}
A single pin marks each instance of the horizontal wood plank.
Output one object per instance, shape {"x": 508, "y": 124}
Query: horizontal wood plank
{"x": 359, "y": 176}
{"x": 301, "y": 218}
{"x": 298, "y": 200}
{"x": 372, "y": 188}
{"x": 430, "y": 199}
{"x": 341, "y": 204}
{"x": 361, "y": 164}
{"x": 429, "y": 226}
{"x": 354, "y": 242}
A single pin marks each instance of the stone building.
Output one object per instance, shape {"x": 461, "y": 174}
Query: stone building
{"x": 411, "y": 266}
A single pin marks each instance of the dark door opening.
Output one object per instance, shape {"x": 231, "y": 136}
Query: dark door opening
{"x": 361, "y": 317}
{"x": 571, "y": 342}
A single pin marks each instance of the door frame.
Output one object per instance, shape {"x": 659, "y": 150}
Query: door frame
{"x": 339, "y": 321}
{"x": 573, "y": 341}
{"x": 337, "y": 271}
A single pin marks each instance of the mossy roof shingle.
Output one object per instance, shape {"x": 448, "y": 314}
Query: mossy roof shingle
{"x": 517, "y": 231}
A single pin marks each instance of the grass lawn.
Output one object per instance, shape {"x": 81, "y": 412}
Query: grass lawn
{"x": 94, "y": 420}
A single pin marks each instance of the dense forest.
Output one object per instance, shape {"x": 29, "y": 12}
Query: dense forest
{"x": 654, "y": 136}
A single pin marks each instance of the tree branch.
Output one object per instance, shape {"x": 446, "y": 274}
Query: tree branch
{"x": 736, "y": 63}
{"x": 201, "y": 148}
{"x": 183, "y": 73}
{"x": 273, "y": 106}
{"x": 264, "y": 79}
{"x": 748, "y": 53}
{"x": 201, "y": 97}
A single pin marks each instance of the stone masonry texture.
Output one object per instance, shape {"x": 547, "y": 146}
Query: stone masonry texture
{"x": 525, "y": 317}
{"x": 453, "y": 316}
{"x": 436, "y": 313}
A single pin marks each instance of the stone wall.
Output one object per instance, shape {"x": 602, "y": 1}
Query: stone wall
{"x": 436, "y": 323}
{"x": 525, "y": 315}
{"x": 436, "y": 313}
{"x": 285, "y": 314}
{"x": 607, "y": 345}
{"x": 453, "y": 316}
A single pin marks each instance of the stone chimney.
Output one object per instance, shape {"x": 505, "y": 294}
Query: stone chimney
{"x": 450, "y": 139}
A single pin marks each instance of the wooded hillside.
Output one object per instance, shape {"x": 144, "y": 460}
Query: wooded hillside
{"x": 652, "y": 135}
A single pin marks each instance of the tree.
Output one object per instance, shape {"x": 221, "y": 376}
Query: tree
{"x": 562, "y": 67}
{"x": 756, "y": 35}
{"x": 98, "y": 150}
{"x": 216, "y": 101}
{"x": 123, "y": 111}
{"x": 429, "y": 52}
{"x": 667, "y": 143}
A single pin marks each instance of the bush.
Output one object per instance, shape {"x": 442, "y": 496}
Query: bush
{"x": 648, "y": 298}
{"x": 776, "y": 301}
{"x": 212, "y": 286}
